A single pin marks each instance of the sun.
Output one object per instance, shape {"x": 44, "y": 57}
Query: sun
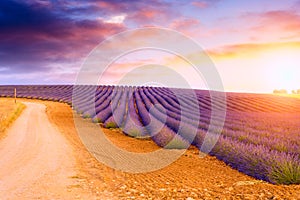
{"x": 282, "y": 68}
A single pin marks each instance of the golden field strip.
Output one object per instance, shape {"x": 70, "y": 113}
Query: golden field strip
{"x": 9, "y": 111}
{"x": 290, "y": 95}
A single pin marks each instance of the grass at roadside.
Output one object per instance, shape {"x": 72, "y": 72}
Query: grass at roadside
{"x": 9, "y": 112}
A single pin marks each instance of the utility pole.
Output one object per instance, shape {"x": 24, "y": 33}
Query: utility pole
{"x": 15, "y": 95}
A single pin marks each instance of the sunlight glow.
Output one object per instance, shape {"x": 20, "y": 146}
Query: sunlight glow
{"x": 282, "y": 68}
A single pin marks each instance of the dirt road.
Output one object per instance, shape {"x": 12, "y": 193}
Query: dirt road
{"x": 36, "y": 161}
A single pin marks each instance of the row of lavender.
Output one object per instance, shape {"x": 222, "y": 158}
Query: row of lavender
{"x": 260, "y": 136}
{"x": 61, "y": 93}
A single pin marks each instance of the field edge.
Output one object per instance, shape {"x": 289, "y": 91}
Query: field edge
{"x": 5, "y": 124}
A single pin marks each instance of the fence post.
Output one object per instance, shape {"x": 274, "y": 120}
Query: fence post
{"x": 15, "y": 95}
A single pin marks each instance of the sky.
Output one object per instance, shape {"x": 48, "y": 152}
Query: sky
{"x": 254, "y": 45}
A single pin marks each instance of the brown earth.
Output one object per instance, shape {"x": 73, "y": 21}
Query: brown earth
{"x": 190, "y": 177}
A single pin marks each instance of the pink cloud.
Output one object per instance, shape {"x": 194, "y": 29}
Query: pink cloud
{"x": 249, "y": 49}
{"x": 144, "y": 15}
{"x": 193, "y": 28}
{"x": 200, "y": 4}
{"x": 280, "y": 19}
{"x": 187, "y": 26}
{"x": 153, "y": 16}
{"x": 185, "y": 23}
{"x": 141, "y": 12}
{"x": 276, "y": 25}
{"x": 110, "y": 6}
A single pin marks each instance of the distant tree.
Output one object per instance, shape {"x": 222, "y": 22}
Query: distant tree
{"x": 298, "y": 91}
{"x": 282, "y": 91}
{"x": 294, "y": 92}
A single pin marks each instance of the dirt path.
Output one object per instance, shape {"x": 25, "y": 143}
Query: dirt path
{"x": 36, "y": 161}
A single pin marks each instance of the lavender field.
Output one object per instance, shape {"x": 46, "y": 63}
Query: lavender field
{"x": 260, "y": 137}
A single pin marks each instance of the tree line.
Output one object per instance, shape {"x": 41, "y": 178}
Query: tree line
{"x": 284, "y": 91}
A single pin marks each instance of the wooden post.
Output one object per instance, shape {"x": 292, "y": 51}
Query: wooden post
{"x": 15, "y": 95}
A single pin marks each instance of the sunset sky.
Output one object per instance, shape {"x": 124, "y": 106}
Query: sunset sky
{"x": 255, "y": 45}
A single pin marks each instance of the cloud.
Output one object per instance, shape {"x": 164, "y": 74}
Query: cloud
{"x": 36, "y": 33}
{"x": 200, "y": 4}
{"x": 145, "y": 15}
{"x": 184, "y": 23}
{"x": 204, "y": 4}
{"x": 248, "y": 50}
{"x": 158, "y": 14}
{"x": 140, "y": 12}
{"x": 274, "y": 25}
{"x": 32, "y": 36}
{"x": 118, "y": 19}
{"x": 253, "y": 27}
{"x": 195, "y": 29}
{"x": 283, "y": 20}
{"x": 188, "y": 26}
